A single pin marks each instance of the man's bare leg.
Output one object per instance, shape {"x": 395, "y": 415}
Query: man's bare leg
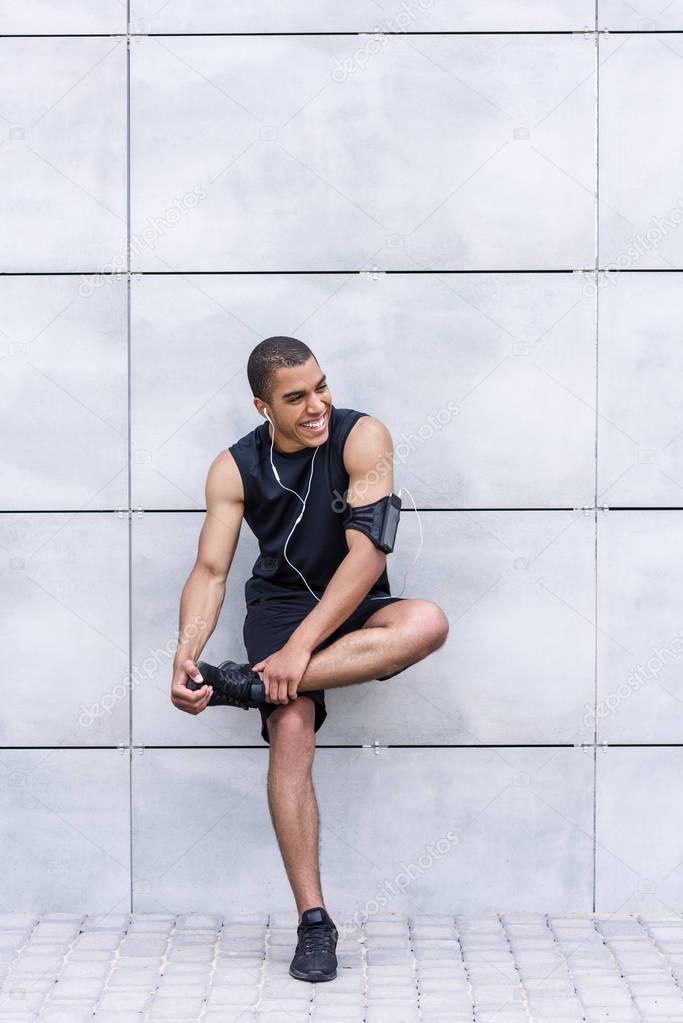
{"x": 291, "y": 798}
{"x": 393, "y": 638}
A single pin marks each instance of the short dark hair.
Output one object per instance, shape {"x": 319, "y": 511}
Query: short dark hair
{"x": 268, "y": 357}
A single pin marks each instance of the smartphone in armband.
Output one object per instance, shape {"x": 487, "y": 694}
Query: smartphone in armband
{"x": 392, "y": 514}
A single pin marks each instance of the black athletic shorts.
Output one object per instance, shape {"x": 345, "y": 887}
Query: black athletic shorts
{"x": 271, "y": 620}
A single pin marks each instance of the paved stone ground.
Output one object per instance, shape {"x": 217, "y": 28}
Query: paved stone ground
{"x": 508, "y": 968}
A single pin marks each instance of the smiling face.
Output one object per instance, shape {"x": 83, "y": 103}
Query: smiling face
{"x": 299, "y": 407}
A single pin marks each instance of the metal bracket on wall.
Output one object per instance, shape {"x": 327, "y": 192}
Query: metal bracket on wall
{"x": 586, "y": 508}
{"x": 372, "y": 274}
{"x": 378, "y": 747}
{"x": 139, "y": 750}
{"x": 122, "y": 748}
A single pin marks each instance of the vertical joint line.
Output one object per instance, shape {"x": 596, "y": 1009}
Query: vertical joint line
{"x": 596, "y": 448}
{"x": 129, "y": 479}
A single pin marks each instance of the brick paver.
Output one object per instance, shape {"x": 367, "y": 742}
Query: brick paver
{"x": 507, "y": 968}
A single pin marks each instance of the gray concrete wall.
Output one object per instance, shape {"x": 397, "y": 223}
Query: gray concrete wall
{"x": 423, "y": 206}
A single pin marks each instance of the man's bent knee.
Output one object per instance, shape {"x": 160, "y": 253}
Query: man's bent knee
{"x": 429, "y": 628}
{"x": 291, "y": 726}
{"x": 436, "y": 626}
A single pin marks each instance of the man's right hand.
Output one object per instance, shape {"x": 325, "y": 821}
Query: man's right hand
{"x": 192, "y": 701}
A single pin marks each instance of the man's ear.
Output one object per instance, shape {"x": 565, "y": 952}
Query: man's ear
{"x": 264, "y": 408}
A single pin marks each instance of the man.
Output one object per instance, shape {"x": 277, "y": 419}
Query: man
{"x": 313, "y": 483}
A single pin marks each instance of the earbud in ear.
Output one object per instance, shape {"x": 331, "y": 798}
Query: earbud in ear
{"x": 265, "y": 412}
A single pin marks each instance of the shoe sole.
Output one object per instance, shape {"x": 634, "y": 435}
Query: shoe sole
{"x": 315, "y": 976}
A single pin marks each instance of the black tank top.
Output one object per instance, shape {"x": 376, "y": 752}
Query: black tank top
{"x": 318, "y": 544}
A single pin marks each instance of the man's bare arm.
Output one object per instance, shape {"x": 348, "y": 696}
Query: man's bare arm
{"x": 368, "y": 457}
{"x": 203, "y": 594}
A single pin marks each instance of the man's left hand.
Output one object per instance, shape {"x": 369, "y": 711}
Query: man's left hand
{"x": 282, "y": 672}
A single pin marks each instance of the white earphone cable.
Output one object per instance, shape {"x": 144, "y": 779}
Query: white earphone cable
{"x": 419, "y": 550}
{"x": 303, "y": 509}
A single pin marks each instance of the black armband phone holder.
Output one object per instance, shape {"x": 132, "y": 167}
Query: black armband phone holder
{"x": 378, "y": 521}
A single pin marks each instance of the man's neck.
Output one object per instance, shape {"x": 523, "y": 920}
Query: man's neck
{"x": 285, "y": 451}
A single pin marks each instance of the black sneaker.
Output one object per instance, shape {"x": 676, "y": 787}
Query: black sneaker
{"x": 234, "y": 685}
{"x": 315, "y": 957}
